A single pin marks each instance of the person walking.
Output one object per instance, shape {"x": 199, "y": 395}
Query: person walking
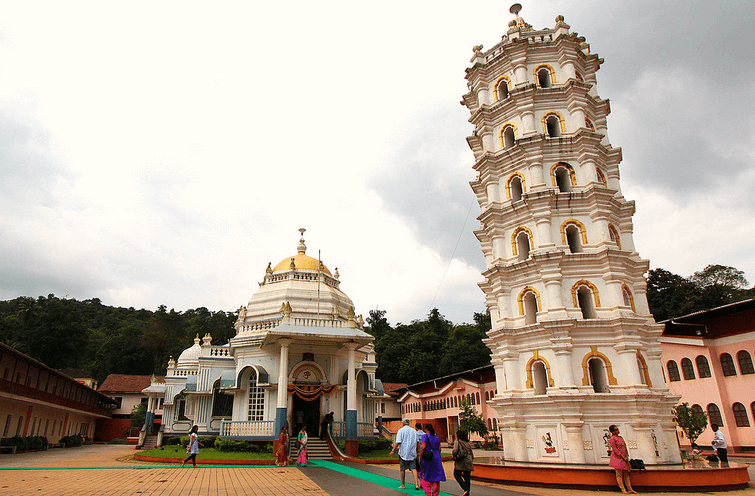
{"x": 193, "y": 447}
{"x": 282, "y": 453}
{"x": 301, "y": 460}
{"x": 463, "y": 461}
{"x": 620, "y": 460}
{"x": 719, "y": 444}
{"x": 431, "y": 466}
{"x": 406, "y": 442}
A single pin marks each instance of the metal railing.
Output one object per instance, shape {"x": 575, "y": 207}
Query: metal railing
{"x": 364, "y": 430}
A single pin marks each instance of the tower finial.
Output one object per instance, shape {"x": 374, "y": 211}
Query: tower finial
{"x": 302, "y": 247}
{"x": 518, "y": 21}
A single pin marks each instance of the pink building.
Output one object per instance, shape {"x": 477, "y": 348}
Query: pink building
{"x": 707, "y": 359}
{"x": 438, "y": 401}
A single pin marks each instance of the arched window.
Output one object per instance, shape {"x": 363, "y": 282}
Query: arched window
{"x": 589, "y": 125}
{"x": 539, "y": 377}
{"x": 714, "y": 415}
{"x": 562, "y": 175}
{"x": 573, "y": 234}
{"x": 687, "y": 369}
{"x": 598, "y": 378}
{"x": 523, "y": 246}
{"x": 495, "y": 424}
{"x": 703, "y": 369}
{"x": 222, "y": 403}
{"x": 627, "y": 296}
{"x": 502, "y": 88}
{"x": 579, "y": 77}
{"x": 601, "y": 177}
{"x": 745, "y": 363}
{"x": 644, "y": 372}
{"x": 613, "y": 234}
{"x": 697, "y": 409}
{"x": 740, "y": 415}
{"x": 727, "y": 364}
{"x": 515, "y": 187}
{"x": 478, "y": 398}
{"x": 673, "y": 371}
{"x": 585, "y": 297}
{"x": 529, "y": 304}
{"x": 544, "y": 75}
{"x": 554, "y": 124}
{"x": 256, "y": 398}
{"x": 573, "y": 239}
{"x": 508, "y": 135}
{"x": 752, "y": 409}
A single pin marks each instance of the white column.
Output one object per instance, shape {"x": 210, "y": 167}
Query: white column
{"x": 283, "y": 372}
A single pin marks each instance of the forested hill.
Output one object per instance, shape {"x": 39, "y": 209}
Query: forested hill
{"x": 67, "y": 333}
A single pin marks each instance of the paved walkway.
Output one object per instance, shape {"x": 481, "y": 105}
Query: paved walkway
{"x": 112, "y": 471}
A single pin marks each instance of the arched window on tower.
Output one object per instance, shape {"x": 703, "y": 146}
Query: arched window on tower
{"x": 544, "y": 77}
{"x": 613, "y": 234}
{"x": 574, "y": 239}
{"x": 523, "y": 246}
{"x": 703, "y": 369}
{"x": 601, "y": 177}
{"x": 579, "y": 77}
{"x": 502, "y": 89}
{"x": 562, "y": 177}
{"x": 673, "y": 371}
{"x": 627, "y": 296}
{"x": 553, "y": 126}
{"x": 515, "y": 187}
{"x": 687, "y": 369}
{"x": 589, "y": 125}
{"x": 745, "y": 363}
{"x": 539, "y": 377}
{"x": 508, "y": 136}
{"x": 598, "y": 378}
{"x": 528, "y": 305}
{"x": 585, "y": 298}
{"x": 740, "y": 415}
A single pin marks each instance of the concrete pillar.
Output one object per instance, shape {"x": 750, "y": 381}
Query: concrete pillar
{"x": 645, "y": 449}
{"x": 281, "y": 412}
{"x": 352, "y": 445}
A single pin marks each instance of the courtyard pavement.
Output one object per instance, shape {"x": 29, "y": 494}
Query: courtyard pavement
{"x": 111, "y": 470}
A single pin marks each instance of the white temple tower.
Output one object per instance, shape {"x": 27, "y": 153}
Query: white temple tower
{"x": 574, "y": 345}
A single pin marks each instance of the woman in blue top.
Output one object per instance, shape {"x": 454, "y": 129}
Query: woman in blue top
{"x": 431, "y": 471}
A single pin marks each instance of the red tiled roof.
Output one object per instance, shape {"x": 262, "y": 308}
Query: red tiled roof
{"x": 389, "y": 387}
{"x": 122, "y": 383}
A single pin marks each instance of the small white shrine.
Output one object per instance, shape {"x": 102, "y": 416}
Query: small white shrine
{"x": 299, "y": 352}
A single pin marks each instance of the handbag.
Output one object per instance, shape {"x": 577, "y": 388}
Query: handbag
{"x": 637, "y": 464}
{"x": 427, "y": 455}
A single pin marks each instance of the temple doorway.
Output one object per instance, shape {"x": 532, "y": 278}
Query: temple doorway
{"x": 306, "y": 413}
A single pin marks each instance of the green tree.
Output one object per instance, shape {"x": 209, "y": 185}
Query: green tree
{"x": 670, "y": 295}
{"x": 720, "y": 285}
{"x": 139, "y": 414}
{"x": 692, "y": 422}
{"x": 470, "y": 420}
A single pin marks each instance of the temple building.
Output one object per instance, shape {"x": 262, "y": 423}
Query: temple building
{"x": 299, "y": 352}
{"x": 574, "y": 346}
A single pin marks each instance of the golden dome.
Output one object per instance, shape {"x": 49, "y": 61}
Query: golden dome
{"x": 302, "y": 262}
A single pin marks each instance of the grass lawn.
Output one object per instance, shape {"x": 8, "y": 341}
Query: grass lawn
{"x": 206, "y": 453}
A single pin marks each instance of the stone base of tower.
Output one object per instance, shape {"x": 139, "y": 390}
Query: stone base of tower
{"x": 571, "y": 426}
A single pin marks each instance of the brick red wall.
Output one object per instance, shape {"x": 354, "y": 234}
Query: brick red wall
{"x": 109, "y": 429}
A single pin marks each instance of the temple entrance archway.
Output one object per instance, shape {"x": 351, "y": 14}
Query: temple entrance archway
{"x": 306, "y": 413}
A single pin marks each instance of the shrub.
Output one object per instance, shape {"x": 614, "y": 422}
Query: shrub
{"x": 71, "y": 441}
{"x": 172, "y": 440}
{"x": 243, "y": 445}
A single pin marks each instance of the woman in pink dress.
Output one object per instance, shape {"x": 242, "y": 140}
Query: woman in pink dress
{"x": 620, "y": 460}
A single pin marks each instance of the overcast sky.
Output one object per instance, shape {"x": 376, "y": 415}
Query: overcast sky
{"x": 164, "y": 152}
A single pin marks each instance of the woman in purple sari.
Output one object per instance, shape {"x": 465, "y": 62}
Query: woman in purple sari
{"x": 431, "y": 470}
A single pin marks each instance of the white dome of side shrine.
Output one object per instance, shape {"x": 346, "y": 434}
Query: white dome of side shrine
{"x": 300, "y": 288}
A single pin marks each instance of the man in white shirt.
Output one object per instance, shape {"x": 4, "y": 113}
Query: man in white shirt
{"x": 406, "y": 442}
{"x": 719, "y": 444}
